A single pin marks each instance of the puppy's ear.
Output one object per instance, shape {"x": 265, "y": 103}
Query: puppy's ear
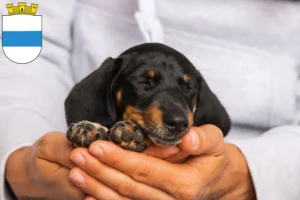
{"x": 91, "y": 98}
{"x": 209, "y": 109}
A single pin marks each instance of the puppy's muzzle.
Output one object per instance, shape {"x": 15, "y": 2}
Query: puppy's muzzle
{"x": 175, "y": 114}
{"x": 176, "y": 122}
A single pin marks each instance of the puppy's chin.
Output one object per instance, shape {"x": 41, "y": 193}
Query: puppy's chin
{"x": 161, "y": 142}
{"x": 162, "y": 138}
{"x": 159, "y": 135}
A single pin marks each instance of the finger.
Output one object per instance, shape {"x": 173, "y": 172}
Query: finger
{"x": 115, "y": 179}
{"x": 142, "y": 168}
{"x": 161, "y": 152}
{"x": 206, "y": 139}
{"x": 93, "y": 198}
{"x": 92, "y": 186}
{"x": 178, "y": 157}
{"x": 54, "y": 147}
{"x": 90, "y": 198}
{"x": 58, "y": 178}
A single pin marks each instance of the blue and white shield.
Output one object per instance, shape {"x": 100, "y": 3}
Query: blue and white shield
{"x": 22, "y": 37}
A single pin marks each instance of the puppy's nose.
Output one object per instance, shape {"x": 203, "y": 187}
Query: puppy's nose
{"x": 176, "y": 124}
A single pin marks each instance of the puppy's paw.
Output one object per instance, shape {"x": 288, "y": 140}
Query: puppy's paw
{"x": 83, "y": 133}
{"x": 129, "y": 136}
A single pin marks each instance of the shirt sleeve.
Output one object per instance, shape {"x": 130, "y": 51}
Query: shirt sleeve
{"x": 31, "y": 104}
{"x": 32, "y": 95}
{"x": 274, "y": 162}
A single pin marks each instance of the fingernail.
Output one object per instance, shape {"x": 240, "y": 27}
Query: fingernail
{"x": 78, "y": 159}
{"x": 194, "y": 138}
{"x": 77, "y": 178}
{"x": 96, "y": 151}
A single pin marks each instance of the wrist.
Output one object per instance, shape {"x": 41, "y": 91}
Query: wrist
{"x": 238, "y": 175}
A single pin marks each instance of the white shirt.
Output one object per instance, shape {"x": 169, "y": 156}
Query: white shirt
{"x": 248, "y": 51}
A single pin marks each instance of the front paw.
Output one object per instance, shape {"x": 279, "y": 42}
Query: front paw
{"x": 129, "y": 136}
{"x": 83, "y": 133}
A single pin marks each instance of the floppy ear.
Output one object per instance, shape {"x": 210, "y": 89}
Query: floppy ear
{"x": 91, "y": 98}
{"x": 209, "y": 109}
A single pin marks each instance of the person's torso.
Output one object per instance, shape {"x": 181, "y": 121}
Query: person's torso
{"x": 246, "y": 50}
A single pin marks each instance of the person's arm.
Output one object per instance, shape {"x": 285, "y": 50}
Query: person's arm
{"x": 32, "y": 95}
{"x": 31, "y": 104}
{"x": 274, "y": 162}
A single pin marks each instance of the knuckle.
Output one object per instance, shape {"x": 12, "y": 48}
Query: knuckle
{"x": 43, "y": 145}
{"x": 211, "y": 137}
{"x": 216, "y": 130}
{"x": 51, "y": 135}
{"x": 219, "y": 134}
{"x": 46, "y": 139}
{"x": 41, "y": 149}
{"x": 126, "y": 188}
{"x": 188, "y": 193}
{"x": 142, "y": 171}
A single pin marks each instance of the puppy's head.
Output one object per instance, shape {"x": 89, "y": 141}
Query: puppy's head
{"x": 160, "y": 90}
{"x": 152, "y": 85}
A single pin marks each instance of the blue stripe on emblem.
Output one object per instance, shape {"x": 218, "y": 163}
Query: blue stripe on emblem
{"x": 22, "y": 38}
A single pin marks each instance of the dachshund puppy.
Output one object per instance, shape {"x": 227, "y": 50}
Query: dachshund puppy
{"x": 151, "y": 93}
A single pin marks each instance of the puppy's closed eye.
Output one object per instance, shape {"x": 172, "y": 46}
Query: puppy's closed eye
{"x": 147, "y": 84}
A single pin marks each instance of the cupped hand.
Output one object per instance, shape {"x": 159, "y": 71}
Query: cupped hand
{"x": 189, "y": 145}
{"x": 41, "y": 171}
{"x": 214, "y": 170}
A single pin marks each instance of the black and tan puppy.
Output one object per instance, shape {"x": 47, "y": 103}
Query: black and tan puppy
{"x": 151, "y": 93}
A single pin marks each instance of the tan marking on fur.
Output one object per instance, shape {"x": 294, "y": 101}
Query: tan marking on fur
{"x": 132, "y": 145}
{"x": 154, "y": 113}
{"x": 186, "y": 78}
{"x": 134, "y": 115}
{"x": 123, "y": 144}
{"x": 191, "y": 119}
{"x": 119, "y": 96}
{"x": 129, "y": 128}
{"x": 151, "y": 73}
{"x": 91, "y": 133}
{"x": 118, "y": 132}
{"x": 97, "y": 127}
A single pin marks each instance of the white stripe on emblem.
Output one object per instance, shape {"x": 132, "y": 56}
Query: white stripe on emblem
{"x": 22, "y": 23}
{"x": 22, "y": 54}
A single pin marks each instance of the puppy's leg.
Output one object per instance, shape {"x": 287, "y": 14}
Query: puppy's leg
{"x": 83, "y": 133}
{"x": 129, "y": 136}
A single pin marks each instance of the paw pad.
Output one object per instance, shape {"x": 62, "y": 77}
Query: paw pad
{"x": 82, "y": 134}
{"x": 129, "y": 136}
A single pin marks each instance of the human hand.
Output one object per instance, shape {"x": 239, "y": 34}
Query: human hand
{"x": 215, "y": 171}
{"x": 189, "y": 145}
{"x": 41, "y": 171}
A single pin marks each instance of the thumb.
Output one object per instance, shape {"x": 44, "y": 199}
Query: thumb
{"x": 206, "y": 139}
{"x": 54, "y": 147}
